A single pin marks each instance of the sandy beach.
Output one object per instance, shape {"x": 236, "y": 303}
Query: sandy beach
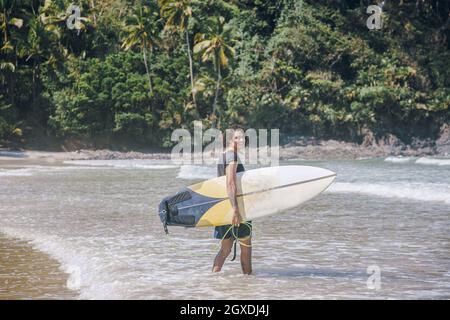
{"x": 26, "y": 273}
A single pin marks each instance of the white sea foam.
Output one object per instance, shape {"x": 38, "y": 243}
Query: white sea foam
{"x": 29, "y": 170}
{"x": 422, "y": 192}
{"x": 196, "y": 172}
{"x": 433, "y": 161}
{"x": 15, "y": 154}
{"x": 423, "y": 160}
{"x": 15, "y": 172}
{"x": 125, "y": 164}
{"x": 399, "y": 159}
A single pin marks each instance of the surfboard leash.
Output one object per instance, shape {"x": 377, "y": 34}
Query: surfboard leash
{"x": 234, "y": 242}
{"x": 236, "y": 238}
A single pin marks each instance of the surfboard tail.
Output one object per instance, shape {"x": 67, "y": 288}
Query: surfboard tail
{"x": 177, "y": 209}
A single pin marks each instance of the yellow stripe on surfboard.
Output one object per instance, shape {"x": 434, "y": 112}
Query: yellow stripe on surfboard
{"x": 212, "y": 189}
{"x": 221, "y": 213}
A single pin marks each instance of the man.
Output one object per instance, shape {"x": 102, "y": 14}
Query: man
{"x": 229, "y": 165}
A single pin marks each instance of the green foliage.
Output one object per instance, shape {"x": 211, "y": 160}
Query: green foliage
{"x": 116, "y": 102}
{"x": 5, "y": 127}
{"x": 304, "y": 66}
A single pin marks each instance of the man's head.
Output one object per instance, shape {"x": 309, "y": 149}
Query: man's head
{"x": 234, "y": 138}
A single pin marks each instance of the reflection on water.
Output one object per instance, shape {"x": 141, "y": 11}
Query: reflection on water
{"x": 101, "y": 220}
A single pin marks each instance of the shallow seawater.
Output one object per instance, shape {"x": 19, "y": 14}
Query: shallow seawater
{"x": 99, "y": 221}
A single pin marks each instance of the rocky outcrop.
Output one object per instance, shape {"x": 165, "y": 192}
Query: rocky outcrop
{"x": 311, "y": 148}
{"x": 443, "y": 142}
{"x": 118, "y": 155}
{"x": 371, "y": 146}
{"x": 303, "y": 147}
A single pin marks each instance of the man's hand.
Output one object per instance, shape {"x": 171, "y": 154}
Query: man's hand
{"x": 236, "y": 220}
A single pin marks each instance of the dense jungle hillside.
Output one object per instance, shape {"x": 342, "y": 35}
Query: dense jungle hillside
{"x": 126, "y": 73}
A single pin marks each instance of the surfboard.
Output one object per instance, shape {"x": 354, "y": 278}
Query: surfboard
{"x": 260, "y": 192}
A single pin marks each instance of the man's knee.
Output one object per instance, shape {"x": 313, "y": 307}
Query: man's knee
{"x": 225, "y": 252}
{"x": 225, "y": 249}
{"x": 246, "y": 241}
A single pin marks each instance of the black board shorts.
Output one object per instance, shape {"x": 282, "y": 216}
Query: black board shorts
{"x": 225, "y": 232}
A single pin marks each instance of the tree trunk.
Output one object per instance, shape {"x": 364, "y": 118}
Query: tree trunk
{"x": 446, "y": 24}
{"x": 191, "y": 70}
{"x": 144, "y": 51}
{"x": 219, "y": 78}
{"x": 34, "y": 83}
{"x": 12, "y": 88}
{"x": 93, "y": 13}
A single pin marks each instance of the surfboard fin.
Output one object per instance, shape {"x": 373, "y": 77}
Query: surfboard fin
{"x": 164, "y": 214}
{"x": 179, "y": 197}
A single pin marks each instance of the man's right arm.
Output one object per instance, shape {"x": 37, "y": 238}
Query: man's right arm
{"x": 232, "y": 191}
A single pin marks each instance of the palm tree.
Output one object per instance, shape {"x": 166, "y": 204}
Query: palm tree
{"x": 6, "y": 9}
{"x": 218, "y": 50}
{"x": 41, "y": 46}
{"x": 141, "y": 33}
{"x": 36, "y": 48}
{"x": 8, "y": 63}
{"x": 178, "y": 13}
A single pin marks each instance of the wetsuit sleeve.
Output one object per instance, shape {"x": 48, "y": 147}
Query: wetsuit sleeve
{"x": 231, "y": 156}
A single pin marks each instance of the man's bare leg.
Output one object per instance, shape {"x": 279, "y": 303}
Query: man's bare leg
{"x": 222, "y": 255}
{"x": 246, "y": 255}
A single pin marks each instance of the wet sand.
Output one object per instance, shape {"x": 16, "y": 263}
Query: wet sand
{"x": 26, "y": 273}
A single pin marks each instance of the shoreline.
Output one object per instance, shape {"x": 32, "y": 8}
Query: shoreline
{"x": 27, "y": 273}
{"x": 300, "y": 149}
{"x": 296, "y": 148}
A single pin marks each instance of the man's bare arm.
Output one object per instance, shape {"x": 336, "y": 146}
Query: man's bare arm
{"x": 232, "y": 191}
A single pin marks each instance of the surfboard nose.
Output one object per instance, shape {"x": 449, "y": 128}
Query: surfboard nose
{"x": 328, "y": 176}
{"x": 321, "y": 171}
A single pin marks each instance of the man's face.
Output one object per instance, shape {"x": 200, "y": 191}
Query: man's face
{"x": 239, "y": 139}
